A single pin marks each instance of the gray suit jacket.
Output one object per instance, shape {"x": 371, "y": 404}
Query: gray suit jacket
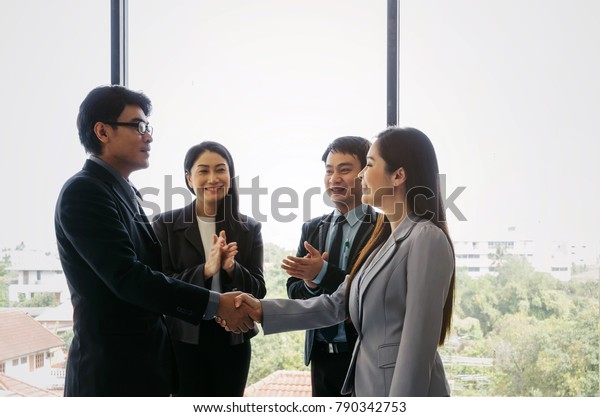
{"x": 396, "y": 304}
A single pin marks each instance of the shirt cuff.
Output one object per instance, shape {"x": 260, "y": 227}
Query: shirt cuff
{"x": 211, "y": 307}
{"x": 317, "y": 280}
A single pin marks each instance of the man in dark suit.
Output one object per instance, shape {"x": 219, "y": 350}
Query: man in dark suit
{"x": 110, "y": 256}
{"x": 328, "y": 248}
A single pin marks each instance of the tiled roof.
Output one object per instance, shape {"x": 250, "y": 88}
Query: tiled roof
{"x": 21, "y": 335}
{"x": 10, "y": 387}
{"x": 282, "y": 384}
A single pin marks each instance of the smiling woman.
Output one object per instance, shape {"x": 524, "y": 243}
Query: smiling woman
{"x": 210, "y": 244}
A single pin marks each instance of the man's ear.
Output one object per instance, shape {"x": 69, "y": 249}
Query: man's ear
{"x": 399, "y": 177}
{"x": 100, "y": 131}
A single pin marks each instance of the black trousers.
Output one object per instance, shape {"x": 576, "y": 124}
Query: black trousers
{"x": 212, "y": 369}
{"x": 328, "y": 372}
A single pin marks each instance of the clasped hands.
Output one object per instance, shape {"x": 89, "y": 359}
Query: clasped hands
{"x": 238, "y": 311}
{"x": 221, "y": 255}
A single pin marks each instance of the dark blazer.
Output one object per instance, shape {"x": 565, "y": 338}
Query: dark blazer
{"x": 110, "y": 257}
{"x": 315, "y": 232}
{"x": 183, "y": 258}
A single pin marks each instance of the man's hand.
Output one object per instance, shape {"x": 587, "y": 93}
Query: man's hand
{"x": 249, "y": 305}
{"x": 306, "y": 268}
{"x": 238, "y": 320}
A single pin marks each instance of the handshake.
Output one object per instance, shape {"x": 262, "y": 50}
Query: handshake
{"x": 238, "y": 311}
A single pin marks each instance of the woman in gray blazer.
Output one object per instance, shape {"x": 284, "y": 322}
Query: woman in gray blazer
{"x": 399, "y": 294}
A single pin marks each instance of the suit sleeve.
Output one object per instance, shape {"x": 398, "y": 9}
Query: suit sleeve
{"x": 282, "y": 315}
{"x": 430, "y": 263}
{"x": 93, "y": 222}
{"x": 248, "y": 277}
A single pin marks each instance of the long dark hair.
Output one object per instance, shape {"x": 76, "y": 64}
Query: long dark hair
{"x": 412, "y": 150}
{"x": 228, "y": 209}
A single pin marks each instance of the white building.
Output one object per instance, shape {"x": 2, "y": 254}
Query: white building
{"x": 28, "y": 351}
{"x": 478, "y": 257}
{"x": 38, "y": 273}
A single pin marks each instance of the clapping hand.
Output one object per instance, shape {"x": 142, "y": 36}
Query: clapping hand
{"x": 228, "y": 252}
{"x": 306, "y": 268}
{"x": 213, "y": 262}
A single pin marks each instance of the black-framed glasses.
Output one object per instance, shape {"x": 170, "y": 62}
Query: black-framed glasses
{"x": 141, "y": 126}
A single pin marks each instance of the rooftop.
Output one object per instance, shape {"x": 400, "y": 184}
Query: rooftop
{"x": 282, "y": 384}
{"x": 11, "y": 387}
{"x": 22, "y": 335}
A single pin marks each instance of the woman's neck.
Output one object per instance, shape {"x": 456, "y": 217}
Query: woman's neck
{"x": 395, "y": 213}
{"x": 204, "y": 209}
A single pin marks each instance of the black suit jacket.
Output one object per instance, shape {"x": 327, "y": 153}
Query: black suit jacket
{"x": 110, "y": 257}
{"x": 315, "y": 232}
{"x": 183, "y": 258}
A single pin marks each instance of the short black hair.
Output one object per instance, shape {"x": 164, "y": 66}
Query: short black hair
{"x": 351, "y": 145}
{"x": 106, "y": 103}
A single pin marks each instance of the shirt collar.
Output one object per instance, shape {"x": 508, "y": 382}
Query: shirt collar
{"x": 125, "y": 183}
{"x": 353, "y": 216}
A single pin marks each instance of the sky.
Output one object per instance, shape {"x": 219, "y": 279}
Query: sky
{"x": 507, "y": 91}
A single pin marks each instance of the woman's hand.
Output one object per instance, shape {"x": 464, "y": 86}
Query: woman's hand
{"x": 228, "y": 252}
{"x": 213, "y": 263}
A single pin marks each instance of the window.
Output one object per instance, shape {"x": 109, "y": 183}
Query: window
{"x": 23, "y": 360}
{"x": 39, "y": 360}
{"x": 15, "y": 362}
{"x": 2, "y": 367}
{"x": 268, "y": 80}
{"x": 51, "y": 62}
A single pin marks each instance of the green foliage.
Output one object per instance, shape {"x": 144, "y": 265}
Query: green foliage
{"x": 3, "y": 293}
{"x": 39, "y": 300}
{"x": 279, "y": 351}
{"x": 274, "y": 352}
{"x": 542, "y": 334}
{"x": 67, "y": 337}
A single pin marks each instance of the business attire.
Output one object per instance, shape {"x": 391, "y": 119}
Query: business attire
{"x": 329, "y": 350}
{"x": 110, "y": 257}
{"x": 396, "y": 304}
{"x": 211, "y": 361}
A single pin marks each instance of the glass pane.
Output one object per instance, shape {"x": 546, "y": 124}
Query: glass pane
{"x": 47, "y": 69}
{"x": 273, "y": 81}
{"x": 508, "y": 93}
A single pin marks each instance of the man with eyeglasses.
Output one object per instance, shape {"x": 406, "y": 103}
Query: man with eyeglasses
{"x": 111, "y": 258}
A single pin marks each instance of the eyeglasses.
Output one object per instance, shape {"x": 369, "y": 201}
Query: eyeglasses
{"x": 141, "y": 127}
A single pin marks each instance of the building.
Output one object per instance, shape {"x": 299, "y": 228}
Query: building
{"x": 59, "y": 320}
{"x": 28, "y": 351}
{"x": 481, "y": 257}
{"x": 282, "y": 384}
{"x": 38, "y": 273}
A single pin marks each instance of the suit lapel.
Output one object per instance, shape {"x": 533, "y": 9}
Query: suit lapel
{"x": 382, "y": 257}
{"x": 188, "y": 222}
{"x": 123, "y": 195}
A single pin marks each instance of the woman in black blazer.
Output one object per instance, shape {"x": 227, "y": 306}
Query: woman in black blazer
{"x": 210, "y": 244}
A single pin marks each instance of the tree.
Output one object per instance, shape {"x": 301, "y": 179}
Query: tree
{"x": 279, "y": 351}
{"x": 40, "y": 300}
